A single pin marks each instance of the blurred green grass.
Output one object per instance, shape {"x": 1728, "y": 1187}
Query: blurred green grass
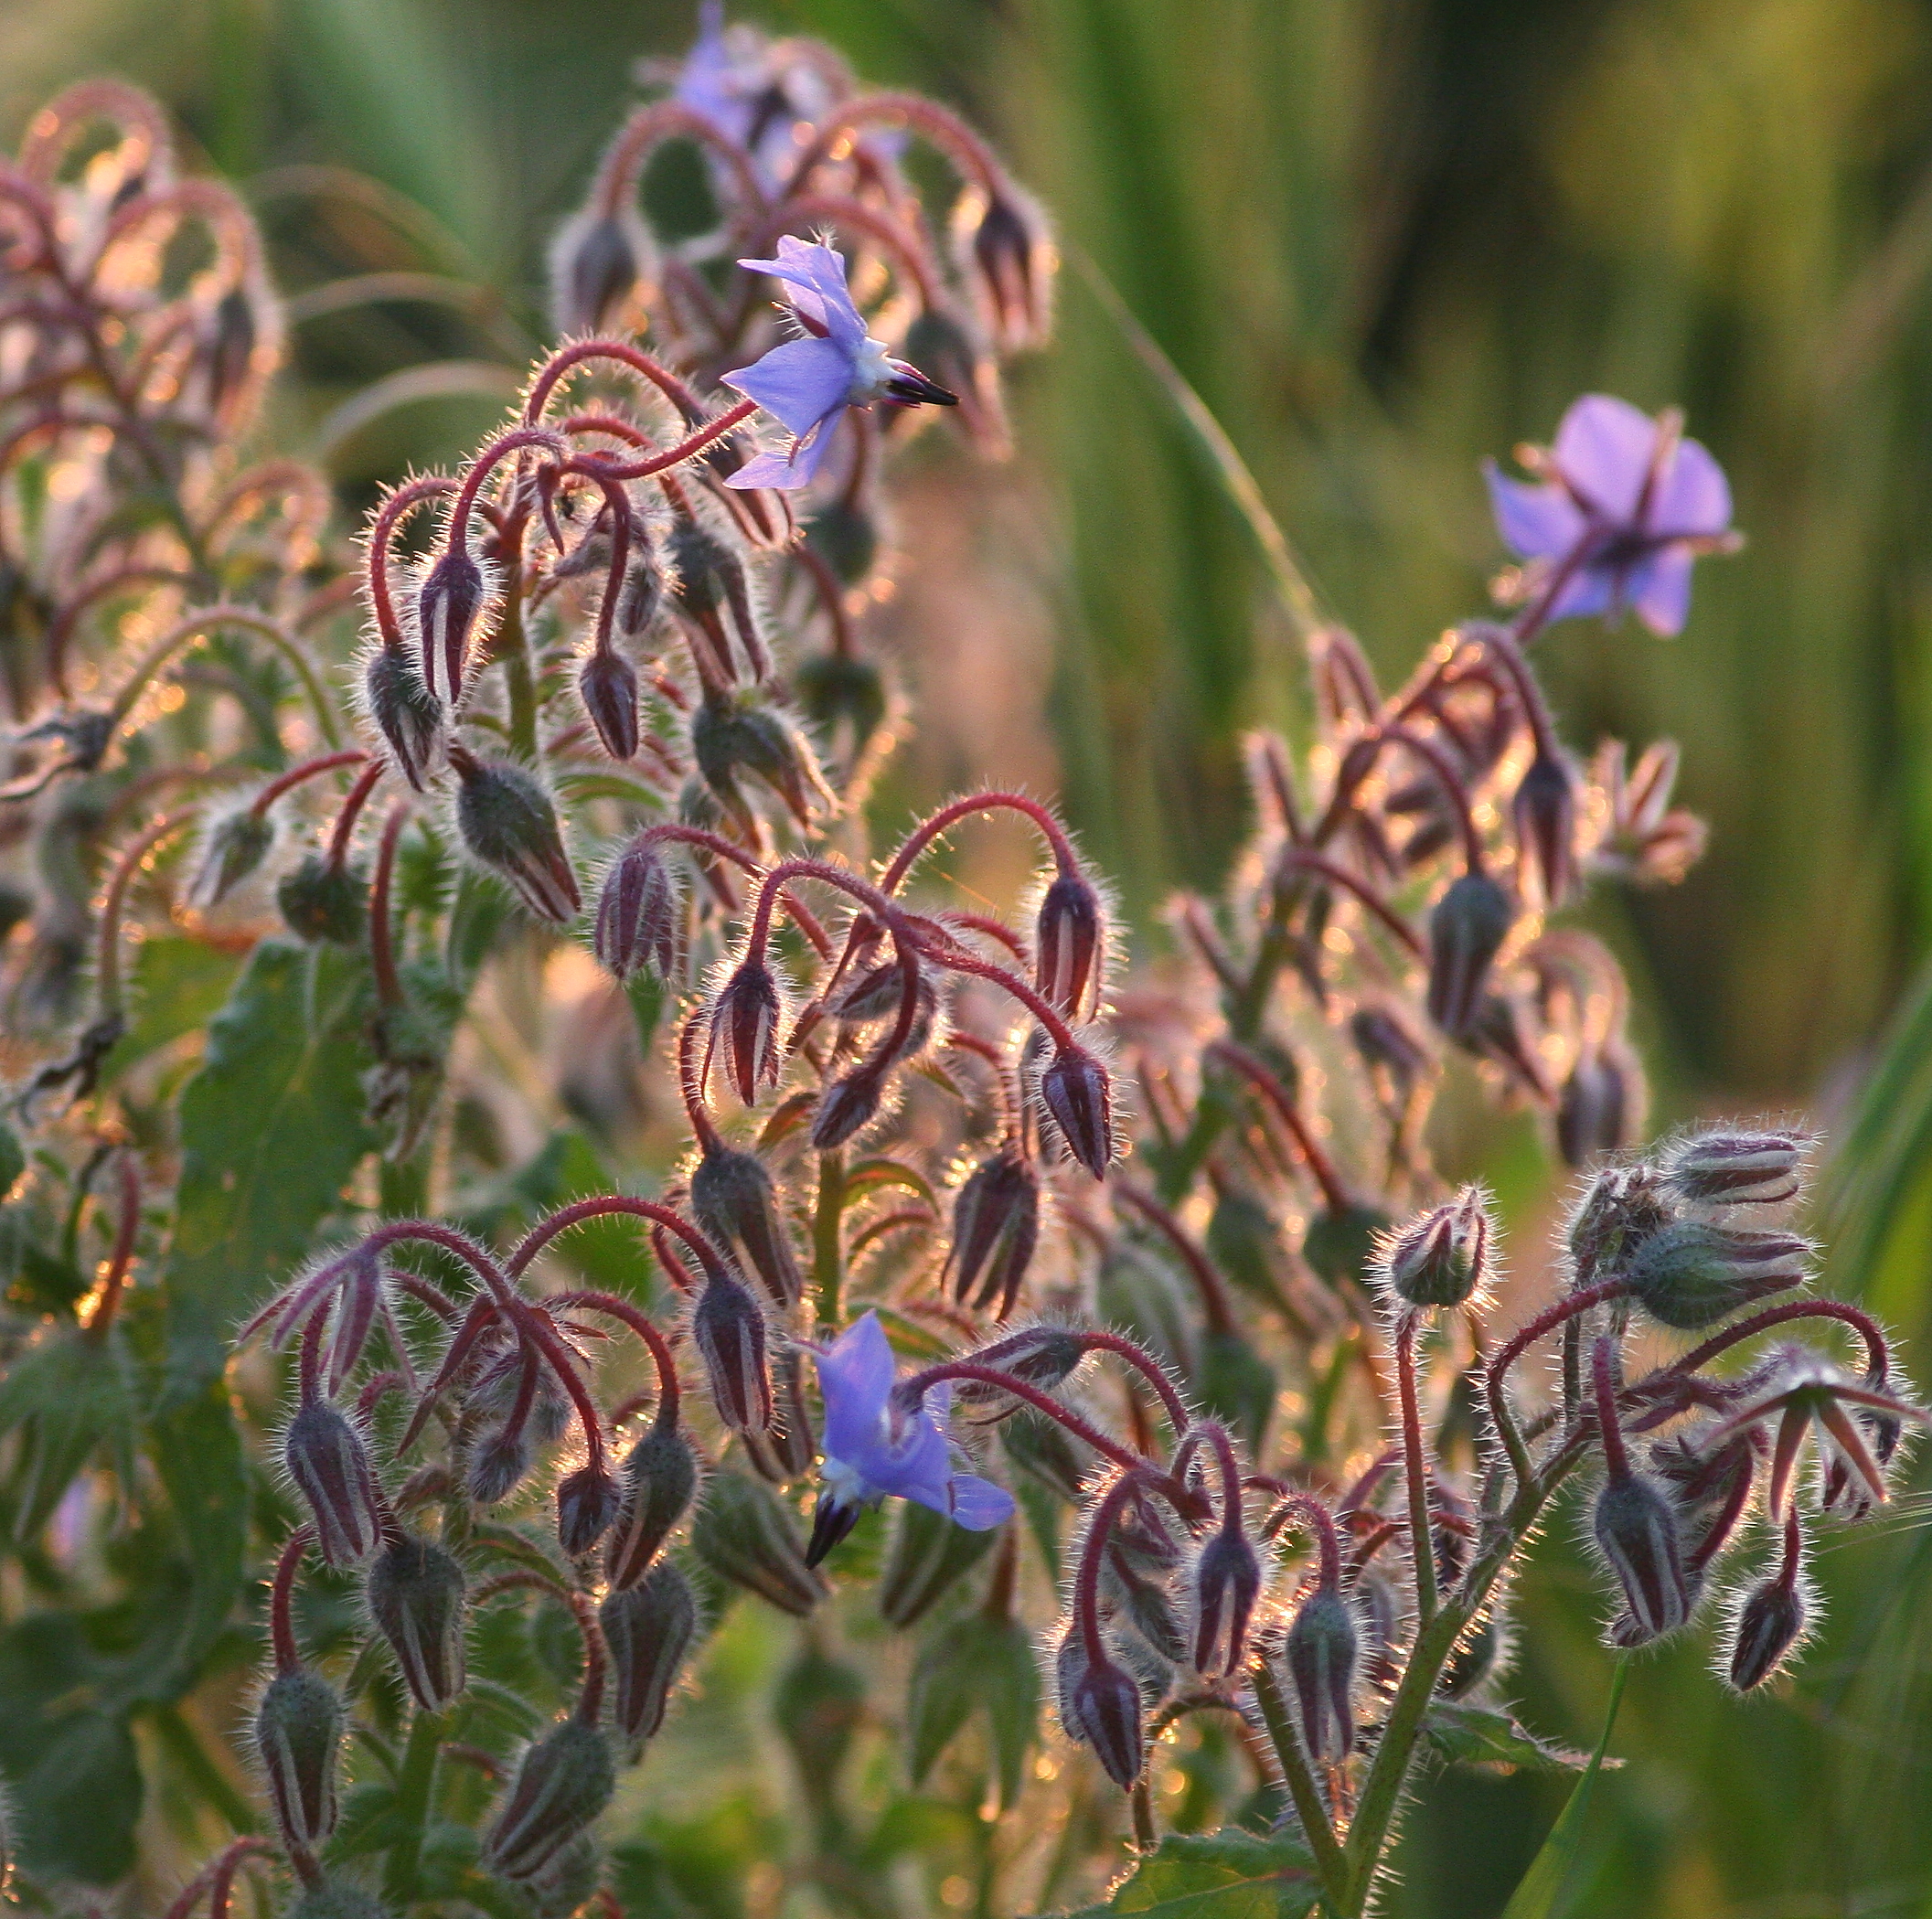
{"x": 1380, "y": 239}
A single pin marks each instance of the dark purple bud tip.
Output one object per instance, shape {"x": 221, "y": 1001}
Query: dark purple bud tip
{"x": 415, "y": 1596}
{"x": 637, "y": 912}
{"x": 728, "y": 1329}
{"x": 996, "y": 1227}
{"x": 833, "y": 1519}
{"x": 1770, "y": 1624}
{"x": 745, "y": 1031}
{"x": 1466, "y": 929}
{"x": 846, "y": 1107}
{"x": 1226, "y": 1584}
{"x": 447, "y": 608}
{"x": 1690, "y": 1276}
{"x": 1078, "y": 1093}
{"x": 660, "y": 1482}
{"x": 587, "y": 1506}
{"x": 1544, "y": 811}
{"x": 1441, "y": 1257}
{"x": 737, "y": 1205}
{"x": 1738, "y": 1169}
{"x": 1106, "y": 1702}
{"x": 1322, "y": 1652}
{"x": 911, "y": 388}
{"x": 330, "y": 1466}
{"x": 565, "y": 1781}
{"x": 298, "y": 1735}
{"x": 1637, "y": 1531}
{"x": 408, "y": 715}
{"x": 1069, "y": 944}
{"x": 649, "y": 1630}
{"x": 608, "y": 689}
{"x": 508, "y": 825}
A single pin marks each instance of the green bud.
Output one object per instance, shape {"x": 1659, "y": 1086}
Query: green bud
{"x": 837, "y": 689}
{"x": 298, "y": 1733}
{"x": 1441, "y": 1257}
{"x": 508, "y": 824}
{"x": 1690, "y": 1275}
{"x": 743, "y": 1533}
{"x": 565, "y": 1781}
{"x": 233, "y": 846}
{"x": 741, "y": 732}
{"x": 845, "y": 534}
{"x": 324, "y": 902}
{"x": 818, "y": 1705}
{"x": 928, "y": 1556}
{"x": 737, "y": 1205}
{"x": 660, "y": 1480}
{"x": 649, "y": 1630}
{"x": 416, "y": 1598}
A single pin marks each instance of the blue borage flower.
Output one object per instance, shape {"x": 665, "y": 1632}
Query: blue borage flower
{"x": 877, "y": 1447}
{"x": 808, "y": 382}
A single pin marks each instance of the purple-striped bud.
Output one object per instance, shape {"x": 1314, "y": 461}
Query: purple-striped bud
{"x": 1322, "y": 1652}
{"x": 745, "y": 1031}
{"x": 1069, "y": 945}
{"x": 1600, "y": 1106}
{"x": 728, "y": 1329}
{"x": 1690, "y": 1276}
{"x": 1011, "y": 261}
{"x": 1390, "y": 1050}
{"x": 1466, "y": 929}
{"x": 448, "y": 605}
{"x": 415, "y": 1593}
{"x": 1738, "y": 1169}
{"x": 408, "y": 715}
{"x": 641, "y": 594}
{"x": 323, "y": 901}
{"x": 1544, "y": 812}
{"x": 587, "y": 1506}
{"x": 330, "y": 1466}
{"x": 565, "y": 1781}
{"x": 508, "y": 824}
{"x": 1636, "y": 1533}
{"x": 637, "y": 912}
{"x": 737, "y": 1205}
{"x": 497, "y": 1466}
{"x": 608, "y": 689}
{"x": 847, "y": 1106}
{"x": 1771, "y": 1622}
{"x": 1441, "y": 1257}
{"x": 298, "y": 1736}
{"x": 660, "y": 1481}
{"x": 1100, "y": 1705}
{"x": 996, "y": 1227}
{"x": 1225, "y": 1584}
{"x": 1078, "y": 1093}
{"x": 745, "y": 1535}
{"x": 649, "y": 1629}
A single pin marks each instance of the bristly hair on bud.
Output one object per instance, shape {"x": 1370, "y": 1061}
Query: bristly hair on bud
{"x": 508, "y": 824}
{"x": 728, "y": 1329}
{"x": 649, "y": 1628}
{"x": 738, "y": 1206}
{"x": 848, "y": 1106}
{"x": 638, "y": 911}
{"x": 607, "y": 684}
{"x": 747, "y": 1011}
{"x": 660, "y": 1480}
{"x": 1322, "y": 1653}
{"x": 602, "y": 263}
{"x": 1466, "y": 928}
{"x": 1636, "y": 1530}
{"x": 1004, "y": 246}
{"x": 565, "y": 1781}
{"x": 1600, "y": 1106}
{"x": 454, "y": 591}
{"x": 234, "y": 844}
{"x": 1077, "y": 1093}
{"x": 1727, "y": 1168}
{"x": 329, "y": 1464}
{"x": 996, "y": 1227}
{"x": 406, "y": 713}
{"x": 1770, "y": 1620}
{"x": 587, "y": 1506}
{"x": 1223, "y": 1588}
{"x": 416, "y": 1597}
{"x": 1442, "y": 1257}
{"x": 1070, "y": 945}
{"x": 1690, "y": 1276}
{"x": 298, "y": 1735}
{"x": 1100, "y": 1705}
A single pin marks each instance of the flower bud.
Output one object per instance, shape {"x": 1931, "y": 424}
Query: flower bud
{"x": 1623, "y": 1207}
{"x": 1690, "y": 1276}
{"x": 598, "y": 261}
{"x": 1738, "y": 1169}
{"x": 1636, "y": 1533}
{"x": 745, "y": 1535}
{"x": 818, "y": 1705}
{"x": 844, "y": 533}
{"x": 660, "y": 1481}
{"x": 298, "y": 1735}
{"x": 1466, "y": 929}
{"x": 498, "y": 1467}
{"x": 507, "y": 824}
{"x": 928, "y": 1556}
{"x": 952, "y": 365}
{"x": 711, "y": 581}
{"x": 322, "y": 901}
{"x": 996, "y": 1227}
{"x": 607, "y": 684}
{"x": 1390, "y": 1050}
{"x": 1225, "y": 1584}
{"x": 330, "y": 1466}
{"x": 1007, "y": 250}
{"x": 738, "y": 1206}
{"x": 448, "y": 605}
{"x": 649, "y": 1628}
{"x": 1322, "y": 1650}
{"x": 1103, "y": 1702}
{"x": 728, "y": 1329}
{"x": 408, "y": 714}
{"x": 838, "y": 691}
{"x": 235, "y": 844}
{"x": 587, "y": 1505}
{"x": 1544, "y": 811}
{"x": 1770, "y": 1623}
{"x": 565, "y": 1781}
{"x": 1600, "y": 1106}
{"x": 1078, "y": 1093}
{"x": 742, "y": 732}
{"x": 416, "y": 1598}
{"x": 1441, "y": 1257}
{"x": 744, "y": 1029}
{"x": 1069, "y": 944}
{"x": 637, "y": 912}
{"x": 846, "y": 1107}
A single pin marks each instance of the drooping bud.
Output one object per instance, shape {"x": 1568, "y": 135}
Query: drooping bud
{"x": 608, "y": 689}
{"x": 637, "y": 912}
{"x": 1738, "y": 1169}
{"x": 1070, "y": 947}
{"x": 416, "y": 1598}
{"x": 1441, "y": 1257}
{"x": 927, "y": 1557}
{"x": 1544, "y": 811}
{"x": 996, "y": 1227}
{"x": 1390, "y": 1050}
{"x": 847, "y": 1106}
{"x": 1690, "y": 1276}
{"x": 728, "y": 1329}
{"x": 298, "y": 1735}
{"x": 1466, "y": 929}
{"x": 1770, "y": 1622}
{"x": 840, "y": 691}
{"x": 1225, "y": 1584}
{"x": 448, "y": 605}
{"x": 330, "y": 1466}
{"x": 744, "y": 732}
{"x": 565, "y": 1781}
{"x": 1105, "y": 1702}
{"x": 587, "y": 1505}
{"x": 745, "y": 1029}
{"x": 1599, "y": 1108}
{"x": 324, "y": 902}
{"x": 235, "y": 845}
{"x": 1322, "y": 1651}
{"x": 598, "y": 261}
{"x": 408, "y": 714}
{"x": 1624, "y": 1205}
{"x": 649, "y": 1628}
{"x": 508, "y": 824}
{"x": 818, "y": 1706}
{"x": 711, "y": 581}
{"x": 745, "y": 1535}
{"x": 497, "y": 1466}
{"x": 954, "y": 368}
{"x": 1635, "y": 1531}
{"x": 1045, "y": 1355}
{"x": 1005, "y": 245}
{"x": 1078, "y": 1093}
{"x": 737, "y": 1205}
{"x": 660, "y": 1481}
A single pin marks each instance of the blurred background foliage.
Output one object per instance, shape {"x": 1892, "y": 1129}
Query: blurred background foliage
{"x": 1381, "y": 237}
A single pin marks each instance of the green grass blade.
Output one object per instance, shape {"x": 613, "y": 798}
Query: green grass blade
{"x": 1544, "y": 1891}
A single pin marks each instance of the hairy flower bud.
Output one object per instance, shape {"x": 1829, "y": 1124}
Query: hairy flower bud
{"x": 1069, "y": 944}
{"x": 448, "y": 605}
{"x": 839, "y": 691}
{"x": 298, "y": 1735}
{"x": 1225, "y": 1584}
{"x": 728, "y": 1329}
{"x": 660, "y": 1481}
{"x": 607, "y": 684}
{"x": 408, "y": 714}
{"x": 1441, "y": 1257}
{"x": 415, "y": 1596}
{"x": 649, "y": 1628}
{"x": 1322, "y": 1651}
{"x": 587, "y": 1505}
{"x": 1771, "y": 1621}
{"x": 1544, "y": 812}
{"x": 744, "y": 1534}
{"x": 508, "y": 824}
{"x": 847, "y": 1106}
{"x": 637, "y": 912}
{"x": 1636, "y": 1530}
{"x": 1599, "y": 1108}
{"x": 235, "y": 845}
{"x": 1690, "y": 1276}
{"x": 1107, "y": 1701}
{"x": 566, "y": 1779}
{"x": 598, "y": 261}
{"x": 498, "y": 1467}
{"x": 1007, "y": 250}
{"x": 745, "y": 1029}
{"x": 1078, "y": 1093}
{"x": 737, "y": 1205}
{"x": 330, "y": 1466}
{"x": 742, "y": 732}
{"x": 1738, "y": 1169}
{"x": 711, "y": 581}
{"x": 323, "y": 901}
{"x": 996, "y": 1227}
{"x": 1466, "y": 929}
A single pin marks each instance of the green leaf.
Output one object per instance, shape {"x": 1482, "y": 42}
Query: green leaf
{"x": 1479, "y": 1735}
{"x": 69, "y": 1395}
{"x": 969, "y": 1663}
{"x": 179, "y": 986}
{"x": 13, "y": 1158}
{"x": 1229, "y": 1874}
{"x": 928, "y": 1556}
{"x": 1544, "y": 1893}
{"x": 78, "y": 1803}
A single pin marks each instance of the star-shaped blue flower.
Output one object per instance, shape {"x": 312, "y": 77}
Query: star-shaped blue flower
{"x": 875, "y": 1447}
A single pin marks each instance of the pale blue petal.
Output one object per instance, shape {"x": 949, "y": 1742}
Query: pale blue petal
{"x": 1535, "y": 522}
{"x": 978, "y": 1505}
{"x": 800, "y": 381}
{"x": 1591, "y": 589}
{"x": 1604, "y": 449}
{"x": 1695, "y": 498}
{"x": 1660, "y": 591}
{"x": 817, "y": 275}
{"x": 855, "y": 1377}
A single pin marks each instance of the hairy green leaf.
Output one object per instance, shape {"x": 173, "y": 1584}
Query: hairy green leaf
{"x": 1480, "y": 1735}
{"x": 1229, "y": 1874}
